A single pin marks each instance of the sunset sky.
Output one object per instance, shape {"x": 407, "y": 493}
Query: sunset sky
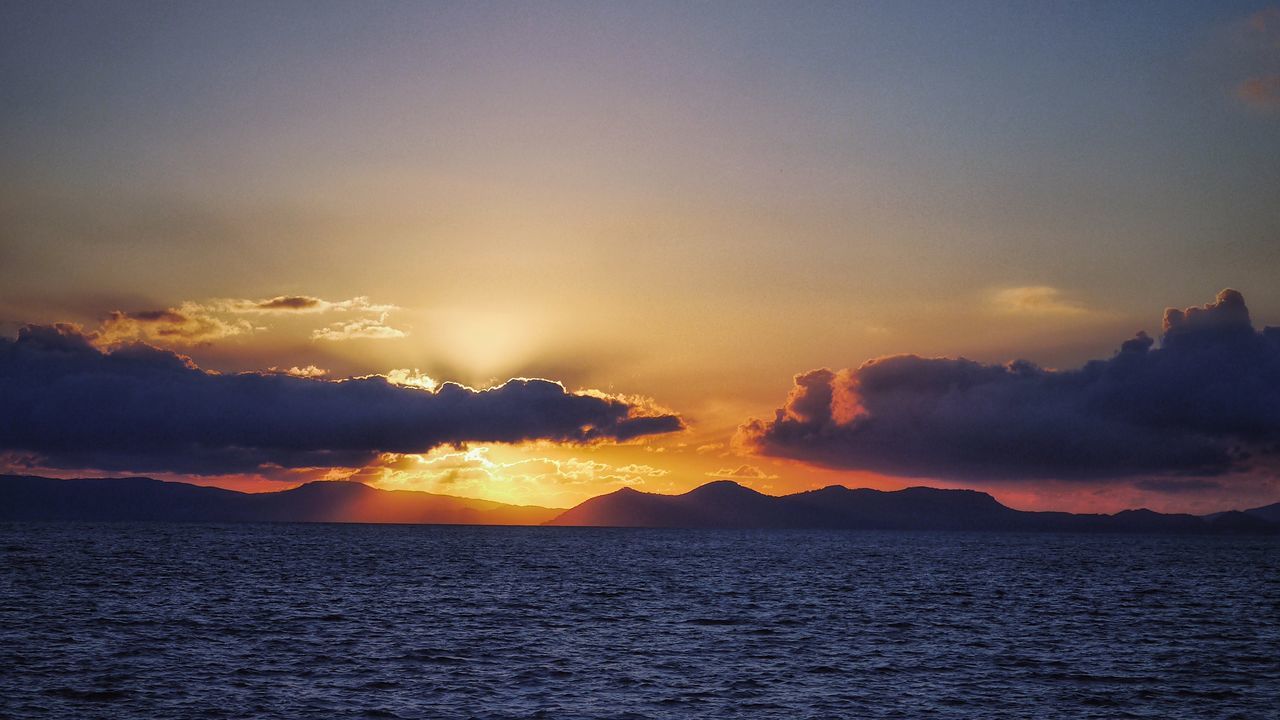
{"x": 680, "y": 213}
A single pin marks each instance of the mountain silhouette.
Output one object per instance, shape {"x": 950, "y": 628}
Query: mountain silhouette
{"x": 725, "y": 504}
{"x": 1247, "y": 518}
{"x": 1270, "y": 512}
{"x": 720, "y": 504}
{"x": 24, "y": 497}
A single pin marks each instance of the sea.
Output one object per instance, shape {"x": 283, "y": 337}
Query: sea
{"x": 377, "y": 621}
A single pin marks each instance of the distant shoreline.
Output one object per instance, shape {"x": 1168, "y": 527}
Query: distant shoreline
{"x": 715, "y": 505}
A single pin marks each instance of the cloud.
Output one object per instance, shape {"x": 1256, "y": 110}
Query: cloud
{"x": 1260, "y": 89}
{"x": 200, "y": 323}
{"x": 1034, "y": 300}
{"x": 295, "y": 304}
{"x": 1261, "y": 92}
{"x": 364, "y": 328}
{"x": 310, "y": 371}
{"x": 374, "y": 327}
{"x": 1205, "y": 403}
{"x": 412, "y": 378}
{"x": 638, "y": 470}
{"x": 288, "y": 303}
{"x": 742, "y": 472}
{"x": 140, "y": 408}
{"x": 186, "y": 325}
{"x": 1171, "y": 486}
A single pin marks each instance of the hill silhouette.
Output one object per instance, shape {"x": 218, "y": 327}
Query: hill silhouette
{"x": 725, "y": 504}
{"x": 24, "y": 497}
{"x": 1271, "y": 512}
{"x": 719, "y": 504}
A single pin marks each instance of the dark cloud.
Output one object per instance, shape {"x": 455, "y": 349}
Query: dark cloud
{"x": 289, "y": 302}
{"x": 158, "y": 316}
{"x": 140, "y": 408}
{"x": 1177, "y": 485}
{"x": 1206, "y": 402}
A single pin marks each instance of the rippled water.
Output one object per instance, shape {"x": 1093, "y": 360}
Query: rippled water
{"x": 326, "y": 621}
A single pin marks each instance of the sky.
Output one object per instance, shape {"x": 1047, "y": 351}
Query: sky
{"x": 703, "y": 234}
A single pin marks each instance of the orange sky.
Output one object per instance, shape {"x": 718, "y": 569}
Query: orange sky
{"x": 687, "y": 205}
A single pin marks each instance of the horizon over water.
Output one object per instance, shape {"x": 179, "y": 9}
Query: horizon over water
{"x": 312, "y": 620}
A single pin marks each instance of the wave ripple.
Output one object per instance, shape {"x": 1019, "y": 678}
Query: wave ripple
{"x": 234, "y": 621}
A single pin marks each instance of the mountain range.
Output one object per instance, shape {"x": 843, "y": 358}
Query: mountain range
{"x": 25, "y": 497}
{"x": 725, "y": 504}
{"x": 720, "y": 504}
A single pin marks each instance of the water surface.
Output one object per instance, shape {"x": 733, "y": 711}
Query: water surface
{"x": 336, "y": 621}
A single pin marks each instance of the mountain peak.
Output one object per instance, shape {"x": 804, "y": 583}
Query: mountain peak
{"x": 727, "y": 504}
{"x": 723, "y": 488}
{"x": 331, "y": 486}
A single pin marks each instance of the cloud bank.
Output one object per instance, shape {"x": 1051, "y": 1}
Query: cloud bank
{"x": 1205, "y": 403}
{"x": 139, "y": 408}
{"x": 200, "y": 323}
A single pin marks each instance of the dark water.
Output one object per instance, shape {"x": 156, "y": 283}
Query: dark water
{"x": 328, "y": 621}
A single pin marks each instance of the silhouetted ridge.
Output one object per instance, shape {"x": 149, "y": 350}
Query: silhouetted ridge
{"x": 722, "y": 489}
{"x": 721, "y": 504}
{"x": 919, "y": 508}
{"x": 1234, "y": 522}
{"x": 725, "y": 504}
{"x": 1270, "y": 512}
{"x": 144, "y": 499}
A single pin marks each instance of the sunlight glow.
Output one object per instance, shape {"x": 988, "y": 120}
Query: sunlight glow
{"x": 485, "y": 343}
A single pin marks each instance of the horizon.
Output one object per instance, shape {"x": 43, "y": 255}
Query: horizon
{"x": 943, "y": 335}
{"x": 533, "y": 256}
{"x": 624, "y": 488}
